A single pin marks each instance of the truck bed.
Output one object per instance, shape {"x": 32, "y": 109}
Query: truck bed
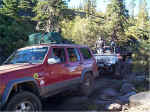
{"x": 106, "y": 58}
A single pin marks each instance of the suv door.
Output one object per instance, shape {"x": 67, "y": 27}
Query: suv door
{"x": 57, "y": 71}
{"x": 74, "y": 63}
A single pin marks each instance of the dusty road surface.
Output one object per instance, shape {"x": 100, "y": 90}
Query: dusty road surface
{"x": 73, "y": 101}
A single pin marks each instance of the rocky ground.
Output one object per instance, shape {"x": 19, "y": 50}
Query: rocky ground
{"x": 141, "y": 108}
{"x": 109, "y": 94}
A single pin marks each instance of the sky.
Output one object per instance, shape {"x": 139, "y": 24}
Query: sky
{"x": 102, "y": 4}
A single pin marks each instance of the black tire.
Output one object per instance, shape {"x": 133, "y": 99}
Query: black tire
{"x": 101, "y": 72}
{"x": 26, "y": 99}
{"x": 87, "y": 85}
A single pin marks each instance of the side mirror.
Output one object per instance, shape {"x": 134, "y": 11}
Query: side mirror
{"x": 53, "y": 60}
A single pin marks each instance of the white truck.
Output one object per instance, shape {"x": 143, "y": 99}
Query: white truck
{"x": 113, "y": 60}
{"x": 106, "y": 60}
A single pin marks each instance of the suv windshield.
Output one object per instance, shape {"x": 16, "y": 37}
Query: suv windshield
{"x": 32, "y": 55}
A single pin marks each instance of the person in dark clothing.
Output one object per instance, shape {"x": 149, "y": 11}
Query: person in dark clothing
{"x": 119, "y": 66}
{"x": 127, "y": 67}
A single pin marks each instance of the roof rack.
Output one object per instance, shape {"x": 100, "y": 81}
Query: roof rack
{"x": 48, "y": 43}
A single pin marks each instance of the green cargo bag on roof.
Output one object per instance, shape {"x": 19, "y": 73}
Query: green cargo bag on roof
{"x": 51, "y": 37}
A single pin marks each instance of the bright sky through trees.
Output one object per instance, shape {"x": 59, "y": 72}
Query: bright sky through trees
{"x": 102, "y": 4}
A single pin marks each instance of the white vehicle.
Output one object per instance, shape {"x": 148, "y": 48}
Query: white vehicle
{"x": 106, "y": 60}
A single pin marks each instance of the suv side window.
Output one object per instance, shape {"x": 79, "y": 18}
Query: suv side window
{"x": 86, "y": 53}
{"x": 73, "y": 54}
{"x": 59, "y": 53}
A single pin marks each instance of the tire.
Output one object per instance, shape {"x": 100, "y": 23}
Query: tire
{"x": 24, "y": 101}
{"x": 87, "y": 85}
{"x": 101, "y": 72}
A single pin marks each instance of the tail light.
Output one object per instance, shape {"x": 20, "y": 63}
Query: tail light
{"x": 119, "y": 56}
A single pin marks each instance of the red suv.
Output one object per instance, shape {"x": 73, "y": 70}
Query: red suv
{"x": 36, "y": 72}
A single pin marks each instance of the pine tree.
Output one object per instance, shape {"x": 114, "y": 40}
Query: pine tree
{"x": 143, "y": 14}
{"x": 90, "y": 7}
{"x": 116, "y": 20}
{"x": 10, "y": 8}
{"x": 13, "y": 34}
{"x": 48, "y": 14}
{"x": 17, "y": 8}
{"x": 142, "y": 32}
{"x": 140, "y": 29}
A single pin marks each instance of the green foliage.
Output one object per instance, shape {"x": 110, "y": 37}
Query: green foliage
{"x": 80, "y": 30}
{"x": 142, "y": 57}
{"x": 15, "y": 25}
{"x": 116, "y": 20}
{"x": 139, "y": 28}
{"x": 18, "y": 9}
{"x": 141, "y": 31}
{"x": 13, "y": 34}
{"x": 10, "y": 8}
{"x": 90, "y": 7}
{"x": 111, "y": 25}
{"x": 48, "y": 14}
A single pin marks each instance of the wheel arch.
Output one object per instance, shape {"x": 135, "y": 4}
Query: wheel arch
{"x": 14, "y": 85}
{"x": 85, "y": 71}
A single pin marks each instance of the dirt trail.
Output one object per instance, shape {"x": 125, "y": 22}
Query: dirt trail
{"x": 73, "y": 101}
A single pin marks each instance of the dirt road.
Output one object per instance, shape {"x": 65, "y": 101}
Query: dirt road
{"x": 73, "y": 101}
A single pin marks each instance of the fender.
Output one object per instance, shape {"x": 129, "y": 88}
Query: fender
{"x": 84, "y": 72}
{"x": 11, "y": 84}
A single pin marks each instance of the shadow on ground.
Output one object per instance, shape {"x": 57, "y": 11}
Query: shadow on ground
{"x": 73, "y": 101}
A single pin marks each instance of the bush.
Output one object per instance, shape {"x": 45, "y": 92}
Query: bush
{"x": 14, "y": 35}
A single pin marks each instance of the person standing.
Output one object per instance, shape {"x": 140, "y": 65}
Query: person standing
{"x": 113, "y": 45}
{"x": 100, "y": 45}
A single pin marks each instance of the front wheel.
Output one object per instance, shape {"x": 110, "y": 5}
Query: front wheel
{"x": 87, "y": 84}
{"x": 24, "y": 101}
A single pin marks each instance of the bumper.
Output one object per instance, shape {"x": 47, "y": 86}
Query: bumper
{"x": 107, "y": 68}
{"x": 110, "y": 68}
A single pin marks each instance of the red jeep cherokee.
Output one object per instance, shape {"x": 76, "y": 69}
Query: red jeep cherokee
{"x": 36, "y": 72}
